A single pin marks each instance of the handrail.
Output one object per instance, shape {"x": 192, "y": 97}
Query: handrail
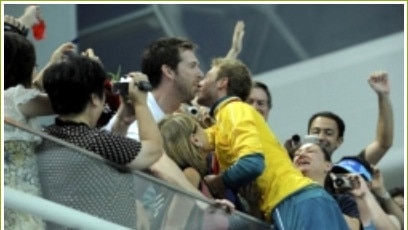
{"x": 44, "y": 135}
{"x": 52, "y": 211}
{"x": 14, "y": 123}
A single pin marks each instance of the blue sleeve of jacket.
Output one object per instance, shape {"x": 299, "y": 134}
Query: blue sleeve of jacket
{"x": 244, "y": 171}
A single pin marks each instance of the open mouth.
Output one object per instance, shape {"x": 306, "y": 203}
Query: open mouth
{"x": 302, "y": 162}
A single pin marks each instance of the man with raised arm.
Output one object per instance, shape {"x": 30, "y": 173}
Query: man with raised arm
{"x": 330, "y": 128}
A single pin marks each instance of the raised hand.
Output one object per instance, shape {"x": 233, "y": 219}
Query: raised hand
{"x": 62, "y": 50}
{"x": 31, "y": 16}
{"x": 91, "y": 54}
{"x": 137, "y": 96}
{"x": 360, "y": 187}
{"x": 57, "y": 56}
{"x": 378, "y": 81}
{"x": 237, "y": 37}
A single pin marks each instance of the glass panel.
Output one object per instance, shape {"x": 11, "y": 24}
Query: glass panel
{"x": 80, "y": 180}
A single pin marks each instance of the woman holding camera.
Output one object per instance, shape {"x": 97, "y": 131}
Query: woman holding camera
{"x": 356, "y": 177}
{"x": 75, "y": 88}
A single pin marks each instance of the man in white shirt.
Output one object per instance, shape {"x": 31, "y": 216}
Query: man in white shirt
{"x": 174, "y": 73}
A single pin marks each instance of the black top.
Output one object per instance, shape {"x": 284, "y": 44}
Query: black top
{"x": 111, "y": 146}
{"x": 347, "y": 205}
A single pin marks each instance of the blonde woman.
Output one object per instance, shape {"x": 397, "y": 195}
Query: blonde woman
{"x": 184, "y": 140}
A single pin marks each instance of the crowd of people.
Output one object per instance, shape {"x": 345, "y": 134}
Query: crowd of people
{"x": 206, "y": 133}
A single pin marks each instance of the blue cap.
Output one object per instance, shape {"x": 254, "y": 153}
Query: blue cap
{"x": 352, "y": 166}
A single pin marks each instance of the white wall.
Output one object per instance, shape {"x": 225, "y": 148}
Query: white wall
{"x": 61, "y": 27}
{"x": 338, "y": 82}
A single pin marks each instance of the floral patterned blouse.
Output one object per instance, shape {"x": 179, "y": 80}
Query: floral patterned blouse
{"x": 13, "y": 97}
{"x": 20, "y": 166}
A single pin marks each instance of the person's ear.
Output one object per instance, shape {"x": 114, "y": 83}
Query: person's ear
{"x": 222, "y": 83}
{"x": 167, "y": 71}
{"x": 339, "y": 141}
{"x": 94, "y": 99}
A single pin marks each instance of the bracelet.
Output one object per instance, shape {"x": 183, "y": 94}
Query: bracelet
{"x": 13, "y": 25}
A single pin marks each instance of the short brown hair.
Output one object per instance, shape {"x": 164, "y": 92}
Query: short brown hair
{"x": 164, "y": 51}
{"x": 238, "y": 74}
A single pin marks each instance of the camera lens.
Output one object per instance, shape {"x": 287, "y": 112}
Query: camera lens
{"x": 296, "y": 138}
{"x": 339, "y": 182}
{"x": 193, "y": 110}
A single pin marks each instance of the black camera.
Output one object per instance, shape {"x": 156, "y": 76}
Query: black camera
{"x": 192, "y": 110}
{"x": 297, "y": 141}
{"x": 144, "y": 86}
{"x": 122, "y": 88}
{"x": 342, "y": 183}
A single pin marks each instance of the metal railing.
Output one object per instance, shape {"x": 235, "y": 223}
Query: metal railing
{"x": 123, "y": 200}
